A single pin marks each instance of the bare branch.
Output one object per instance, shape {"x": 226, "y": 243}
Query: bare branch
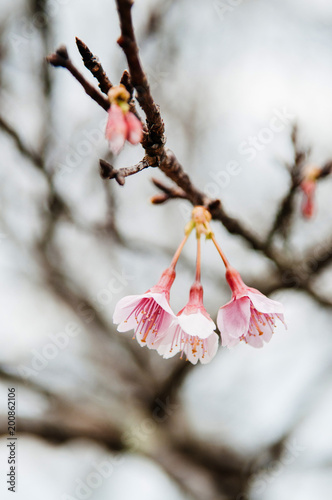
{"x": 61, "y": 433}
{"x": 168, "y": 193}
{"x": 107, "y": 171}
{"x": 286, "y": 207}
{"x": 33, "y": 156}
{"x": 92, "y": 63}
{"x": 61, "y": 58}
{"x": 127, "y": 42}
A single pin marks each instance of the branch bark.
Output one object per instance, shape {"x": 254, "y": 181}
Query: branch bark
{"x": 92, "y": 63}
{"x": 61, "y": 59}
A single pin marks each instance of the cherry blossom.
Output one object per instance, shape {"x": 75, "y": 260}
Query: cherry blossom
{"x": 122, "y": 124}
{"x": 192, "y": 332}
{"x": 249, "y": 316}
{"x": 149, "y": 314}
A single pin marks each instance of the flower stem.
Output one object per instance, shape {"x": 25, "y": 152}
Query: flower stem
{"x": 221, "y": 253}
{"x": 178, "y": 252}
{"x": 198, "y": 259}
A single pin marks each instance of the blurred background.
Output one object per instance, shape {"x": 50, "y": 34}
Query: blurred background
{"x": 99, "y": 417}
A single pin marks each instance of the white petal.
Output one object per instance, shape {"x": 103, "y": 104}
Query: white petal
{"x": 264, "y": 304}
{"x": 196, "y": 324}
{"x": 166, "y": 351}
{"x": 160, "y": 298}
{"x": 116, "y": 143}
{"x": 212, "y": 348}
{"x": 124, "y": 307}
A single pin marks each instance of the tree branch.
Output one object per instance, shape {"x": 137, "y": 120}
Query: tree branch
{"x": 60, "y": 433}
{"x": 61, "y": 58}
{"x": 34, "y": 157}
{"x": 168, "y": 193}
{"x": 92, "y": 63}
{"x": 107, "y": 171}
{"x": 286, "y": 207}
{"x": 127, "y": 42}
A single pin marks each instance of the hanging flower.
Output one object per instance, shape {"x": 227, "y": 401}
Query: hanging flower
{"x": 149, "y": 314}
{"x": 192, "y": 332}
{"x": 249, "y": 316}
{"x": 122, "y": 124}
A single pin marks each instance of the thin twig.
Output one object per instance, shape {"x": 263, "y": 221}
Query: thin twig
{"x": 168, "y": 193}
{"x": 92, "y": 63}
{"x": 286, "y": 208}
{"x": 33, "y": 156}
{"x": 107, "y": 171}
{"x": 61, "y": 58}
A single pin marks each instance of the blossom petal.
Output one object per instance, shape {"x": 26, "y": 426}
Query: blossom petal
{"x": 196, "y": 324}
{"x": 212, "y": 347}
{"x": 124, "y": 307}
{"x": 134, "y": 128}
{"x": 254, "y": 340}
{"x": 233, "y": 320}
{"x": 281, "y": 318}
{"x": 166, "y": 350}
{"x": 116, "y": 142}
{"x": 116, "y": 129}
{"x": 161, "y": 299}
{"x": 264, "y": 304}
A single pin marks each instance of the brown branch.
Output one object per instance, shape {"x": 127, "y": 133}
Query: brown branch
{"x": 283, "y": 217}
{"x": 320, "y": 299}
{"x": 168, "y": 193}
{"x": 127, "y": 42}
{"x": 9, "y": 375}
{"x": 33, "y": 156}
{"x": 60, "y": 433}
{"x": 61, "y": 58}
{"x": 173, "y": 169}
{"x": 326, "y": 170}
{"x": 92, "y": 63}
{"x": 107, "y": 171}
{"x": 318, "y": 257}
{"x": 126, "y": 81}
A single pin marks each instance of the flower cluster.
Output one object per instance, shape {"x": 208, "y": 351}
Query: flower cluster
{"x": 122, "y": 124}
{"x": 249, "y": 316}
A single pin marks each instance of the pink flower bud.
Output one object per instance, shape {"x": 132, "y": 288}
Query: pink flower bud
{"x": 122, "y": 124}
{"x": 116, "y": 128}
{"x": 134, "y": 128}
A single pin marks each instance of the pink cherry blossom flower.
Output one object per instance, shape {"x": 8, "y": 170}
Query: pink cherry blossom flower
{"x": 122, "y": 126}
{"x": 249, "y": 316}
{"x": 149, "y": 314}
{"x": 191, "y": 332}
